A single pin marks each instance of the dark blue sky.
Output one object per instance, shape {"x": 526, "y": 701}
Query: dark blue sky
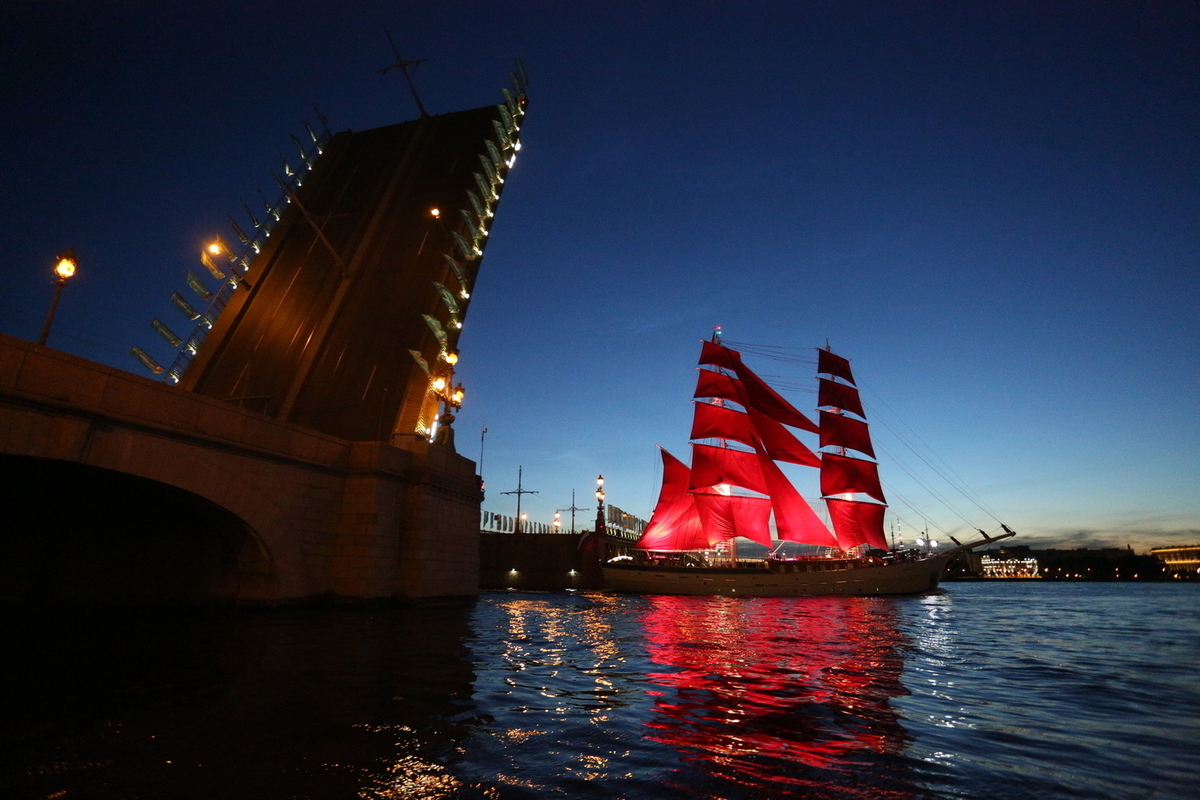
{"x": 991, "y": 208}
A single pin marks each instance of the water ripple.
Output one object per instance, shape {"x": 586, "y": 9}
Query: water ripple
{"x": 982, "y": 691}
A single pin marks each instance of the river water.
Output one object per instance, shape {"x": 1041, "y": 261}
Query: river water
{"x": 984, "y": 690}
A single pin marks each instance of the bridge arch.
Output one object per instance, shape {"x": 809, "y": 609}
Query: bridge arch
{"x": 77, "y": 532}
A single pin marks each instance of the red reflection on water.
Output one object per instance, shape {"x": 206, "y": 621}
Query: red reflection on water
{"x": 782, "y": 693}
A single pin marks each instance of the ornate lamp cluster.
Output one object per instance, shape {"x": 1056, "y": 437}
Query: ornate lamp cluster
{"x": 228, "y": 265}
{"x": 443, "y": 385}
{"x": 599, "y": 500}
{"x": 468, "y": 241}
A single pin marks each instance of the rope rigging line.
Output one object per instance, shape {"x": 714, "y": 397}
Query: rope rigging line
{"x": 903, "y": 520}
{"x": 936, "y": 495}
{"x": 958, "y": 483}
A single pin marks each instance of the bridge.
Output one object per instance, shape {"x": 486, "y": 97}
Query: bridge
{"x": 307, "y": 448}
{"x": 118, "y": 487}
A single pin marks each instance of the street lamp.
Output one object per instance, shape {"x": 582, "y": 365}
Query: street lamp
{"x": 450, "y": 395}
{"x": 64, "y": 269}
{"x": 599, "y": 503}
{"x": 443, "y": 385}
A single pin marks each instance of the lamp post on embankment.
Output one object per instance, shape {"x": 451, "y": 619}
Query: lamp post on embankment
{"x": 601, "y": 533}
{"x": 64, "y": 268}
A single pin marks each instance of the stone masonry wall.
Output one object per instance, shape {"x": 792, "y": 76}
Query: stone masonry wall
{"x": 360, "y": 520}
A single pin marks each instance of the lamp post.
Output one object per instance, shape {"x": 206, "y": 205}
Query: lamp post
{"x": 64, "y": 269}
{"x": 450, "y": 395}
{"x": 599, "y": 503}
{"x": 601, "y": 532}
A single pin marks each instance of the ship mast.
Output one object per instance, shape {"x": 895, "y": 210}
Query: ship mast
{"x": 843, "y": 429}
{"x": 730, "y": 544}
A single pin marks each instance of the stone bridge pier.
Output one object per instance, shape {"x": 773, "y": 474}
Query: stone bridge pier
{"x": 119, "y": 488}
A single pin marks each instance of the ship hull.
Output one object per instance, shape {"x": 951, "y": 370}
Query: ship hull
{"x": 911, "y": 577}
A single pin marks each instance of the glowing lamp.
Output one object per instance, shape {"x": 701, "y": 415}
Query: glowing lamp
{"x": 435, "y": 212}
{"x": 458, "y": 395}
{"x": 439, "y": 384}
{"x": 65, "y": 267}
{"x": 215, "y": 249}
{"x": 451, "y": 358}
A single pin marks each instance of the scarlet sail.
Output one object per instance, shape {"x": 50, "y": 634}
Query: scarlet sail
{"x": 841, "y": 475}
{"x": 838, "y": 395}
{"x": 835, "y": 366}
{"x": 856, "y": 523}
{"x": 711, "y": 501}
{"x": 724, "y": 466}
{"x": 727, "y": 516}
{"x": 766, "y": 400}
{"x": 779, "y": 444}
{"x": 715, "y": 355}
{"x": 675, "y": 523}
{"x": 719, "y": 385}
{"x": 795, "y": 520}
{"x": 842, "y": 431}
{"x": 717, "y": 422}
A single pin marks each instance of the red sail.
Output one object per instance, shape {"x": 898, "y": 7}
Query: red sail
{"x": 712, "y": 466}
{"x": 840, "y": 396}
{"x": 840, "y": 431}
{"x": 795, "y": 520}
{"x": 675, "y": 524}
{"x": 835, "y": 366}
{"x": 779, "y": 442}
{"x": 718, "y": 422}
{"x": 756, "y": 391}
{"x": 726, "y": 516}
{"x": 857, "y": 523}
{"x": 718, "y": 384}
{"x": 764, "y": 399}
{"x": 841, "y": 475}
{"x": 719, "y": 356}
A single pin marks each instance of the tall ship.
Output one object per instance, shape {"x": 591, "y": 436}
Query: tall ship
{"x": 735, "y": 487}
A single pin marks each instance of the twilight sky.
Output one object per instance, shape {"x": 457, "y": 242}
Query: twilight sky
{"x": 991, "y": 208}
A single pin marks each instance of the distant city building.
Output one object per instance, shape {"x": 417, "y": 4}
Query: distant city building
{"x": 1009, "y": 567}
{"x": 1083, "y": 564}
{"x": 1179, "y": 561}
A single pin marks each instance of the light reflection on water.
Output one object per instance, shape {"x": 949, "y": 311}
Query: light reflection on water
{"x": 982, "y": 691}
{"x": 714, "y": 697}
{"x": 985, "y": 690}
{"x": 769, "y": 693}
